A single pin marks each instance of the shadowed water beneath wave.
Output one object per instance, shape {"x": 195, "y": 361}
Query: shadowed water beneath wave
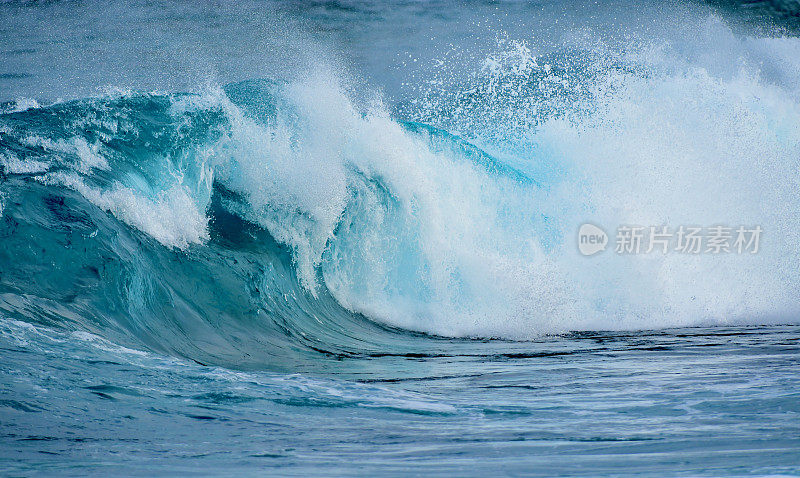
{"x": 694, "y": 401}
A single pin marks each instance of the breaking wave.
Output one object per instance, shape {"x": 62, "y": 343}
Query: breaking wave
{"x": 253, "y": 223}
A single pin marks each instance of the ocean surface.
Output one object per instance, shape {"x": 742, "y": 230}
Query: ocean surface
{"x": 341, "y": 238}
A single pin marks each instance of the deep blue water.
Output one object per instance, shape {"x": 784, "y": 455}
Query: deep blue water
{"x": 340, "y": 238}
{"x": 687, "y": 402}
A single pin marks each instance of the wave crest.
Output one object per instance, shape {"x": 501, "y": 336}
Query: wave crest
{"x": 287, "y": 211}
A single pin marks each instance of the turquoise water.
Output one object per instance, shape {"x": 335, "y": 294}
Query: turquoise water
{"x": 690, "y": 402}
{"x": 341, "y": 238}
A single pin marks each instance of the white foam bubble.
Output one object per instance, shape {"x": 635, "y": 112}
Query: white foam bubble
{"x": 85, "y": 156}
{"x": 24, "y": 104}
{"x": 455, "y": 250}
{"x": 421, "y": 237}
{"x": 13, "y": 165}
{"x": 172, "y": 216}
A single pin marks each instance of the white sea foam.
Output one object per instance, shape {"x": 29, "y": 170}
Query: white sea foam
{"x": 87, "y": 156}
{"x": 24, "y": 104}
{"x": 13, "y": 165}
{"x": 457, "y": 251}
{"x": 418, "y": 236}
{"x": 172, "y": 217}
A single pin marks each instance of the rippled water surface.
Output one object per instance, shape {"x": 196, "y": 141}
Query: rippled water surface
{"x": 720, "y": 401}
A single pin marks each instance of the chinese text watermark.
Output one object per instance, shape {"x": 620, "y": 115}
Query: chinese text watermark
{"x": 631, "y": 239}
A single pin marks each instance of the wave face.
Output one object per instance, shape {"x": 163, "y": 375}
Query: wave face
{"x": 280, "y": 214}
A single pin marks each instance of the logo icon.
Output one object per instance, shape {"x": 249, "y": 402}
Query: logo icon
{"x": 591, "y": 239}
